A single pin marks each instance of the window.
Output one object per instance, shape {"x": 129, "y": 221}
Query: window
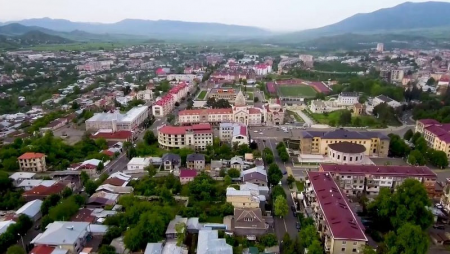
{"x": 354, "y": 250}
{"x": 355, "y": 243}
{"x": 343, "y": 249}
{"x": 344, "y": 242}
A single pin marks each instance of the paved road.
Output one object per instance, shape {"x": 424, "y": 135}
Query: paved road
{"x": 288, "y": 223}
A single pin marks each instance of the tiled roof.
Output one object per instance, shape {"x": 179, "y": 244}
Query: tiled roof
{"x": 206, "y": 111}
{"x": 339, "y": 216}
{"x": 379, "y": 170}
{"x": 42, "y": 249}
{"x": 30, "y": 155}
{"x": 42, "y": 190}
{"x": 180, "y": 130}
{"x": 428, "y": 121}
{"x": 188, "y": 173}
{"x": 113, "y": 135}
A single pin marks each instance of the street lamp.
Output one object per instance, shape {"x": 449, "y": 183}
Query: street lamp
{"x": 23, "y": 244}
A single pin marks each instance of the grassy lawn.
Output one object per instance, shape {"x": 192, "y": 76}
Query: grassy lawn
{"x": 295, "y": 116}
{"x": 202, "y": 95}
{"x": 250, "y": 95}
{"x": 332, "y": 119}
{"x": 300, "y": 185}
{"x": 215, "y": 219}
{"x": 297, "y": 91}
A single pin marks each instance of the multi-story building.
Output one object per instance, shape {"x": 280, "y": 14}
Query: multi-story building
{"x": 223, "y": 94}
{"x": 262, "y": 69}
{"x": 355, "y": 179}
{"x": 308, "y": 60}
{"x": 333, "y": 217}
{"x": 166, "y": 104}
{"x": 196, "y": 161}
{"x": 196, "y": 136}
{"x": 316, "y": 142}
{"x": 397, "y": 75}
{"x": 348, "y": 98}
{"x": 34, "y": 162}
{"x": 436, "y": 134}
{"x": 234, "y": 132}
{"x": 380, "y": 47}
{"x": 117, "y": 121}
{"x": 274, "y": 113}
{"x": 183, "y": 77}
{"x": 384, "y": 99}
{"x": 242, "y": 199}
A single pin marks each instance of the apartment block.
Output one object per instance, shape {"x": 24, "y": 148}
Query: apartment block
{"x": 436, "y": 134}
{"x": 196, "y": 136}
{"x": 34, "y": 162}
{"x": 242, "y": 199}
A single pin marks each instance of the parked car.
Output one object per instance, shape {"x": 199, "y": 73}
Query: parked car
{"x": 297, "y": 225}
{"x": 439, "y": 226}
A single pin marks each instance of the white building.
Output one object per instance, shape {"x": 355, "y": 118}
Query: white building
{"x": 166, "y": 104}
{"x": 348, "y": 98}
{"x": 397, "y": 75}
{"x": 384, "y": 99}
{"x": 117, "y": 121}
{"x": 32, "y": 209}
{"x": 146, "y": 95}
{"x": 234, "y": 132}
{"x": 196, "y": 136}
{"x": 210, "y": 243}
{"x": 138, "y": 164}
{"x": 183, "y": 77}
{"x": 262, "y": 69}
{"x": 380, "y": 47}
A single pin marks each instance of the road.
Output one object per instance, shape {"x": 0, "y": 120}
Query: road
{"x": 288, "y": 223}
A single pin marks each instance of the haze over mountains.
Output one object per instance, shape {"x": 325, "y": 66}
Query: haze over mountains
{"x": 404, "y": 17}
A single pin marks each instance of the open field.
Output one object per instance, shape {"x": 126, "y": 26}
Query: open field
{"x": 332, "y": 119}
{"x": 297, "y": 91}
{"x": 202, "y": 95}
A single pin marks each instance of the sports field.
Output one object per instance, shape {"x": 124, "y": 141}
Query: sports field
{"x": 297, "y": 91}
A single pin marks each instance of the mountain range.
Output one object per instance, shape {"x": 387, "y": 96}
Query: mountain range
{"x": 417, "y": 19}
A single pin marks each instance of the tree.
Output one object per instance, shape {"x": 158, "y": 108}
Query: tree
{"x": 397, "y": 146}
{"x": 416, "y": 158}
{"x": 227, "y": 180}
{"x": 67, "y": 192}
{"x": 90, "y": 187}
{"x": 278, "y": 191}
{"x": 75, "y": 105}
{"x": 409, "y": 238}
{"x": 408, "y": 135}
{"x": 315, "y": 247}
{"x": 234, "y": 173}
{"x": 100, "y": 166}
{"x": 290, "y": 180}
{"x": 255, "y": 99}
{"x": 274, "y": 174}
{"x": 307, "y": 235}
{"x": 151, "y": 170}
{"x": 366, "y": 249}
{"x": 84, "y": 177}
{"x": 170, "y": 118}
{"x": 180, "y": 228}
{"x": 15, "y": 249}
{"x": 150, "y": 137}
{"x": 416, "y": 136}
{"x": 222, "y": 172}
{"x": 269, "y": 240}
{"x": 345, "y": 118}
{"x": 281, "y": 206}
{"x": 421, "y": 145}
{"x": 177, "y": 104}
{"x": 107, "y": 249}
{"x": 437, "y": 158}
{"x": 431, "y": 81}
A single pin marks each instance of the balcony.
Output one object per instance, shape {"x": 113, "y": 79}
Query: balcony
{"x": 327, "y": 245}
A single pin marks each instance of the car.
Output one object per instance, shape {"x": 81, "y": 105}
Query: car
{"x": 261, "y": 133}
{"x": 292, "y": 208}
{"x": 284, "y": 172}
{"x": 297, "y": 225}
{"x": 439, "y": 226}
{"x": 255, "y": 131}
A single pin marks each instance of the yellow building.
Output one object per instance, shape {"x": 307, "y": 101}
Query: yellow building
{"x": 34, "y": 162}
{"x": 358, "y": 109}
{"x": 316, "y": 142}
{"x": 242, "y": 199}
{"x": 436, "y": 134}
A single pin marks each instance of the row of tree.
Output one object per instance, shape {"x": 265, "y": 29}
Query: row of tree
{"x": 282, "y": 152}
{"x": 15, "y": 231}
{"x": 10, "y": 197}
{"x": 63, "y": 210}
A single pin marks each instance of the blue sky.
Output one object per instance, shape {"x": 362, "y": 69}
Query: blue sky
{"x": 276, "y": 15}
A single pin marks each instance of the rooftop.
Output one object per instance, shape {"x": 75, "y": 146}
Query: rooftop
{"x": 181, "y": 130}
{"x": 61, "y": 233}
{"x": 338, "y": 215}
{"x": 210, "y": 243}
{"x": 344, "y": 134}
{"x": 347, "y": 147}
{"x": 31, "y": 208}
{"x": 421, "y": 171}
{"x": 27, "y": 156}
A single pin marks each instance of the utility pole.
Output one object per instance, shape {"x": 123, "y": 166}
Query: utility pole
{"x": 23, "y": 244}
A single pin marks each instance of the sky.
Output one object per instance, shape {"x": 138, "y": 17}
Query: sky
{"x": 275, "y": 15}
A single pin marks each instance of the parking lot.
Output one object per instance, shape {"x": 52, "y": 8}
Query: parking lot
{"x": 69, "y": 134}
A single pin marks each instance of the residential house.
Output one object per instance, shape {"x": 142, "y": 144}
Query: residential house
{"x": 138, "y": 164}
{"x": 118, "y": 179}
{"x": 196, "y": 161}
{"x": 249, "y": 221}
{"x": 32, "y": 209}
{"x": 43, "y": 191}
{"x": 171, "y": 161}
{"x": 242, "y": 198}
{"x": 101, "y": 199}
{"x": 210, "y": 243}
{"x": 43, "y": 249}
{"x": 171, "y": 232}
{"x": 187, "y": 175}
{"x": 256, "y": 175}
{"x": 34, "y": 162}
{"x": 18, "y": 177}
{"x": 237, "y": 163}
{"x": 384, "y": 99}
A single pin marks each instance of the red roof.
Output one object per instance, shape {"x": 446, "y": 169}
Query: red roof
{"x": 320, "y": 87}
{"x": 254, "y": 111}
{"x": 338, "y": 214}
{"x": 243, "y": 130}
{"x": 180, "y": 130}
{"x": 83, "y": 215}
{"x": 160, "y": 71}
{"x": 428, "y": 121}
{"x": 206, "y": 111}
{"x": 108, "y": 153}
{"x": 42, "y": 249}
{"x": 406, "y": 171}
{"x": 191, "y": 173}
{"x": 115, "y": 181}
{"x": 113, "y": 135}
{"x": 27, "y": 156}
{"x": 42, "y": 190}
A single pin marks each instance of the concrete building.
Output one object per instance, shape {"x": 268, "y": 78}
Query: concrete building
{"x": 346, "y": 153}
{"x": 116, "y": 121}
{"x": 348, "y": 98}
{"x": 380, "y": 47}
{"x": 34, "y": 162}
{"x": 138, "y": 164}
{"x": 274, "y": 113}
{"x": 384, "y": 99}
{"x": 18, "y": 177}
{"x": 187, "y": 175}
{"x": 196, "y": 136}
{"x": 183, "y": 77}
{"x": 166, "y": 104}
{"x": 249, "y": 221}
{"x": 436, "y": 134}
{"x": 224, "y": 94}
{"x": 262, "y": 69}
{"x": 242, "y": 199}
{"x": 233, "y": 133}
{"x": 397, "y": 75}
{"x": 210, "y": 243}
{"x": 355, "y": 179}
{"x": 334, "y": 219}
{"x": 196, "y": 161}
{"x": 317, "y": 142}
{"x": 31, "y": 209}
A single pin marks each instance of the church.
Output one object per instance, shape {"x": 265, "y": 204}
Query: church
{"x": 270, "y": 114}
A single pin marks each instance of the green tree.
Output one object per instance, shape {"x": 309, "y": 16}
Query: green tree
{"x": 269, "y": 240}
{"x": 415, "y": 137}
{"x": 315, "y": 247}
{"x": 307, "y": 235}
{"x": 67, "y": 192}
{"x": 277, "y": 190}
{"x": 290, "y": 180}
{"x": 15, "y": 249}
{"x": 227, "y": 180}
{"x": 409, "y": 238}
{"x": 151, "y": 170}
{"x": 274, "y": 174}
{"x": 107, "y": 249}
{"x": 397, "y": 146}
{"x": 416, "y": 158}
{"x": 421, "y": 145}
{"x": 90, "y": 187}
{"x": 100, "y": 166}
{"x": 222, "y": 172}
{"x": 281, "y": 206}
{"x": 234, "y": 173}
{"x": 256, "y": 99}
{"x": 437, "y": 158}
{"x": 345, "y": 118}
{"x": 408, "y": 134}
{"x": 368, "y": 250}
{"x": 84, "y": 177}
{"x": 150, "y": 137}
{"x": 180, "y": 228}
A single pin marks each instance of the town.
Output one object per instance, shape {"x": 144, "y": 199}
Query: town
{"x": 180, "y": 148}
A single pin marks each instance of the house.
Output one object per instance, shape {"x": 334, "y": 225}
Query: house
{"x": 42, "y": 249}
{"x": 249, "y": 221}
{"x": 18, "y": 177}
{"x": 118, "y": 179}
{"x": 138, "y": 164}
{"x": 259, "y": 190}
{"x": 54, "y": 125}
{"x": 92, "y": 215}
{"x": 171, "y": 161}
{"x": 101, "y": 199}
{"x": 237, "y": 163}
{"x": 196, "y": 161}
{"x": 187, "y": 175}
{"x": 256, "y": 175}
{"x": 171, "y": 232}
{"x": 384, "y": 99}
{"x": 108, "y": 188}
{"x": 70, "y": 235}
{"x": 210, "y": 243}
{"x": 153, "y": 248}
{"x": 242, "y": 198}
{"x": 348, "y": 98}
{"x": 32, "y": 209}
{"x": 43, "y": 191}
{"x": 118, "y": 136}
{"x": 317, "y": 106}
{"x": 34, "y": 162}
{"x": 27, "y": 185}
{"x": 5, "y": 224}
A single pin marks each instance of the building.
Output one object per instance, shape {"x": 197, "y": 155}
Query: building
{"x": 274, "y": 113}
{"x": 170, "y": 161}
{"x": 256, "y": 175}
{"x": 318, "y": 106}
{"x": 223, "y": 94}
{"x": 183, "y": 77}
{"x": 242, "y": 198}
{"x": 31, "y": 209}
{"x": 145, "y": 95}
{"x": 67, "y": 235}
{"x": 54, "y": 125}
{"x": 355, "y": 179}
{"x": 308, "y": 60}
{"x": 138, "y": 164}
{"x": 384, "y": 99}
{"x": 249, "y": 222}
{"x": 43, "y": 191}
{"x": 346, "y": 153}
{"x": 171, "y": 232}
{"x": 234, "y": 133}
{"x": 380, "y": 47}
{"x": 262, "y": 69}
{"x": 187, "y": 175}
{"x": 42, "y": 249}
{"x": 18, "y": 177}
{"x": 118, "y": 136}
{"x": 166, "y": 104}
{"x": 397, "y": 75}
{"x": 436, "y": 134}
{"x": 5, "y": 224}
{"x": 334, "y": 219}
{"x": 116, "y": 121}
{"x": 196, "y": 161}
{"x": 358, "y": 109}
{"x": 197, "y": 136}
{"x": 34, "y": 162}
{"x": 210, "y": 243}
{"x": 348, "y": 98}
{"x": 317, "y": 142}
